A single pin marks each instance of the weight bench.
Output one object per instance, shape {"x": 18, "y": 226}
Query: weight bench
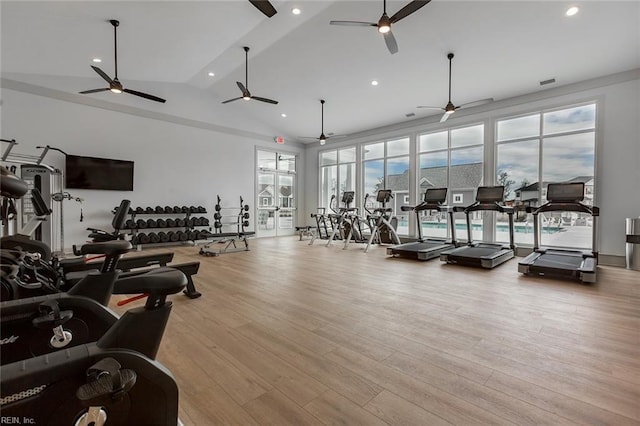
{"x": 306, "y": 232}
{"x": 228, "y": 238}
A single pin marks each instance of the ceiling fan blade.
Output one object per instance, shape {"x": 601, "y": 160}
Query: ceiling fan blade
{"x": 445, "y": 117}
{"x": 408, "y": 10}
{"x": 265, "y": 7}
{"x": 429, "y": 107}
{"x": 309, "y": 138}
{"x": 354, "y": 23}
{"x": 475, "y": 103}
{"x": 269, "y": 101}
{"x": 94, "y": 91}
{"x": 390, "y": 40}
{"x": 231, "y": 100}
{"x": 336, "y": 136}
{"x": 241, "y": 86}
{"x": 102, "y": 74}
{"x": 144, "y": 95}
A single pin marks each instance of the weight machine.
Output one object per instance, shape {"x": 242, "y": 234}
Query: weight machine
{"x": 49, "y": 181}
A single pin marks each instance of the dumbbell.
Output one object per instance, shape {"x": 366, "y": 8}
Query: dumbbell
{"x": 151, "y": 223}
{"x": 154, "y": 238}
{"x": 218, "y": 207}
{"x": 193, "y": 209}
{"x": 130, "y": 224}
{"x": 149, "y": 210}
{"x": 203, "y": 235}
{"x": 190, "y": 222}
{"x": 201, "y": 209}
{"x": 193, "y": 235}
{"x": 139, "y": 210}
{"x": 159, "y": 209}
{"x": 184, "y": 209}
{"x": 245, "y": 224}
{"x": 171, "y": 223}
{"x": 173, "y": 236}
{"x": 141, "y": 223}
{"x": 183, "y": 236}
{"x": 246, "y": 207}
{"x": 177, "y": 209}
{"x": 143, "y": 238}
{"x": 217, "y": 216}
{"x": 164, "y": 238}
{"x": 196, "y": 221}
{"x": 168, "y": 209}
{"x": 181, "y": 222}
{"x": 217, "y": 225}
{"x": 245, "y": 216}
{"x": 204, "y": 221}
{"x": 161, "y": 223}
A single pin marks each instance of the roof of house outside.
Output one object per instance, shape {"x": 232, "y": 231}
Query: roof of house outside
{"x": 534, "y": 186}
{"x": 462, "y": 176}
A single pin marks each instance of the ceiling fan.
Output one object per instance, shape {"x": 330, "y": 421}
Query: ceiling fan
{"x": 264, "y": 6}
{"x": 114, "y": 84}
{"x": 244, "y": 88}
{"x": 384, "y": 24}
{"x": 450, "y": 108}
{"x": 322, "y": 138}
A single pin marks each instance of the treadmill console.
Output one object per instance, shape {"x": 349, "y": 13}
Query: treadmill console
{"x": 383, "y": 196}
{"x": 435, "y": 195}
{"x": 490, "y": 194}
{"x": 565, "y": 192}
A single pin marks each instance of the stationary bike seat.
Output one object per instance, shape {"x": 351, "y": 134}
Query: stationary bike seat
{"x": 159, "y": 282}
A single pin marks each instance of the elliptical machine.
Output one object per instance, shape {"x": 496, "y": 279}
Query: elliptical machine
{"x": 383, "y": 225}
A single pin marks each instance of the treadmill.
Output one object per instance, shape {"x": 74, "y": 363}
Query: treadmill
{"x": 429, "y": 248}
{"x": 482, "y": 254}
{"x": 556, "y": 262}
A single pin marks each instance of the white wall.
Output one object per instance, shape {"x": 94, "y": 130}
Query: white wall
{"x": 174, "y": 163}
{"x": 618, "y": 144}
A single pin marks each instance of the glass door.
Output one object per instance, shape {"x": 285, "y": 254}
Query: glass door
{"x": 275, "y": 193}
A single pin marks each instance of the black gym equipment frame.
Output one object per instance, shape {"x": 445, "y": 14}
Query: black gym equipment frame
{"x": 483, "y": 254}
{"x": 429, "y": 248}
{"x": 557, "y": 262}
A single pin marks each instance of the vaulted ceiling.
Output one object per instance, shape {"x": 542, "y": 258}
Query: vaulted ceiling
{"x": 167, "y": 48}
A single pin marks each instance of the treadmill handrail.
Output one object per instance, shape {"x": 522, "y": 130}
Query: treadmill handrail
{"x": 489, "y": 207}
{"x": 566, "y": 207}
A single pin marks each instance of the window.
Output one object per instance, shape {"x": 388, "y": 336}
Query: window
{"x": 452, "y": 159}
{"x": 386, "y": 166}
{"x": 337, "y": 174}
{"x": 535, "y": 150}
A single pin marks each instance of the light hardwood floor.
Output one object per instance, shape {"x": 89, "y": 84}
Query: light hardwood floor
{"x": 289, "y": 333}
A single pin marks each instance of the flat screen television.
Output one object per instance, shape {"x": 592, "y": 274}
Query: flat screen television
{"x": 98, "y": 173}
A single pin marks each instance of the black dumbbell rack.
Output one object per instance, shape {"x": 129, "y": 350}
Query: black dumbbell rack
{"x": 159, "y": 225}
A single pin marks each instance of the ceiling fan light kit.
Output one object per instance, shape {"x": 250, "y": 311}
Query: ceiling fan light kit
{"x": 244, "y": 88}
{"x": 114, "y": 84}
{"x": 323, "y": 138}
{"x": 384, "y": 23}
{"x": 450, "y": 108}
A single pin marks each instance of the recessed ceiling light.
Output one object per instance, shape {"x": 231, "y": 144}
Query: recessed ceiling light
{"x": 374, "y": 82}
{"x": 296, "y": 11}
{"x": 211, "y": 74}
{"x": 97, "y": 60}
{"x": 572, "y": 11}
{"x": 283, "y": 115}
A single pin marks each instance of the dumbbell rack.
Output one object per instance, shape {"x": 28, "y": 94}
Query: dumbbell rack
{"x": 181, "y": 224}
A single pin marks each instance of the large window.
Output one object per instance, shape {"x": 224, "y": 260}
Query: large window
{"x": 535, "y": 150}
{"x": 451, "y": 159}
{"x": 337, "y": 174}
{"x": 386, "y": 166}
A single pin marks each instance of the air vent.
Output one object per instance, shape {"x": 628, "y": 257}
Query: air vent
{"x": 545, "y": 82}
{"x": 411, "y": 114}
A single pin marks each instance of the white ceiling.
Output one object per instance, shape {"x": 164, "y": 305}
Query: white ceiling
{"x": 503, "y": 49}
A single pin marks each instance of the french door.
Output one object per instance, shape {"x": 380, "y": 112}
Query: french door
{"x": 276, "y": 194}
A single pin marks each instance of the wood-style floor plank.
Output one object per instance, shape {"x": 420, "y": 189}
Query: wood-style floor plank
{"x": 289, "y": 333}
